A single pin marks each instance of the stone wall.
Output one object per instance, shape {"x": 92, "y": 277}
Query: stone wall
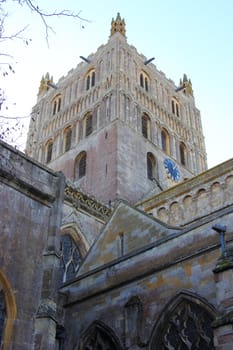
{"x": 195, "y": 198}
{"x": 30, "y": 215}
{"x": 159, "y": 267}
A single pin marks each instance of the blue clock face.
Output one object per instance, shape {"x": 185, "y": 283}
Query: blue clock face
{"x": 172, "y": 169}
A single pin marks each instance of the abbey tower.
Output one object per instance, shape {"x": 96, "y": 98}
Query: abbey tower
{"x": 116, "y": 123}
{"x": 151, "y": 271}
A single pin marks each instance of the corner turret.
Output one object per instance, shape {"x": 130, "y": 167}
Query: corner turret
{"x": 118, "y": 25}
{"x": 44, "y": 83}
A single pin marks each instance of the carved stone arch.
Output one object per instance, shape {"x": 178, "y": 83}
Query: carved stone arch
{"x": 228, "y": 187}
{"x": 78, "y": 237}
{"x": 176, "y": 213}
{"x": 162, "y": 214}
{"x": 99, "y": 336}
{"x": 217, "y": 194}
{"x": 202, "y": 201}
{"x": 184, "y": 323}
{"x": 188, "y": 208}
{"x": 10, "y": 311}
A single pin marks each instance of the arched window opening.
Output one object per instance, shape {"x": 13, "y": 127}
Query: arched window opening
{"x": 88, "y": 82}
{"x": 2, "y": 315}
{"x": 59, "y": 104}
{"x": 49, "y": 151}
{"x": 54, "y": 107}
{"x": 144, "y": 81}
{"x": 141, "y": 80}
{"x": 145, "y": 126}
{"x": 99, "y": 337}
{"x": 187, "y": 326}
{"x": 183, "y": 154}
{"x": 93, "y": 79}
{"x": 56, "y": 104}
{"x": 70, "y": 258}
{"x": 68, "y": 138}
{"x": 89, "y": 124}
{"x": 165, "y": 141}
{"x": 146, "y": 84}
{"x": 80, "y": 166}
{"x": 151, "y": 165}
{"x": 90, "y": 79}
{"x": 175, "y": 107}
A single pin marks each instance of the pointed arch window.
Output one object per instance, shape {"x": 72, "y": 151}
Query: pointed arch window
{"x": 70, "y": 258}
{"x": 80, "y": 166}
{"x": 145, "y": 126}
{"x": 90, "y": 79}
{"x": 151, "y": 166}
{"x": 89, "y": 124}
{"x": 56, "y": 104}
{"x": 88, "y": 82}
{"x": 165, "y": 141}
{"x": 99, "y": 337}
{"x": 67, "y": 139}
{"x": 93, "y": 78}
{"x": 144, "y": 81}
{"x": 59, "y": 104}
{"x": 54, "y": 107}
{"x": 49, "y": 151}
{"x": 187, "y": 326}
{"x": 141, "y": 80}
{"x": 175, "y": 107}
{"x": 183, "y": 154}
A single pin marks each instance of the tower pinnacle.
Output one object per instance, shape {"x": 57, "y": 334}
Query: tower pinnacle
{"x": 118, "y": 25}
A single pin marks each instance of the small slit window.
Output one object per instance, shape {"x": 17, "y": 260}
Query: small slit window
{"x": 183, "y": 154}
{"x": 165, "y": 141}
{"x": 49, "y": 151}
{"x": 151, "y": 166}
{"x": 89, "y": 124}
{"x": 145, "y": 126}
{"x": 67, "y": 139}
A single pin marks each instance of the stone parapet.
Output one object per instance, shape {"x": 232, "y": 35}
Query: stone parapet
{"x": 195, "y": 198}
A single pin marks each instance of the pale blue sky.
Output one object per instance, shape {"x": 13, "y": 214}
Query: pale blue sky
{"x": 185, "y": 36}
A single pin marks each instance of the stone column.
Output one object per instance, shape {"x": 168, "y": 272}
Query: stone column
{"x": 223, "y": 325}
{"x": 46, "y": 323}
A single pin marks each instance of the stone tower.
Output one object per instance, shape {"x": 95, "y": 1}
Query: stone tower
{"x": 117, "y": 126}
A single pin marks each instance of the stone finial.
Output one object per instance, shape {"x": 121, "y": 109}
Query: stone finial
{"x": 118, "y": 25}
{"x": 188, "y": 90}
{"x": 44, "y": 83}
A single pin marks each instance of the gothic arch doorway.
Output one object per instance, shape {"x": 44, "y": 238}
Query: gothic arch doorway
{"x": 99, "y": 337}
{"x": 185, "y": 324}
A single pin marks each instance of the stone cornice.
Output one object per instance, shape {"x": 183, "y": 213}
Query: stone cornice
{"x": 82, "y": 201}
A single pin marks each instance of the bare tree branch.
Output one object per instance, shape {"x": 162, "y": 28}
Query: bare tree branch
{"x": 13, "y": 125}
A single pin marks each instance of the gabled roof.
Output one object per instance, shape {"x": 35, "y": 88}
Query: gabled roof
{"x": 127, "y": 232}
